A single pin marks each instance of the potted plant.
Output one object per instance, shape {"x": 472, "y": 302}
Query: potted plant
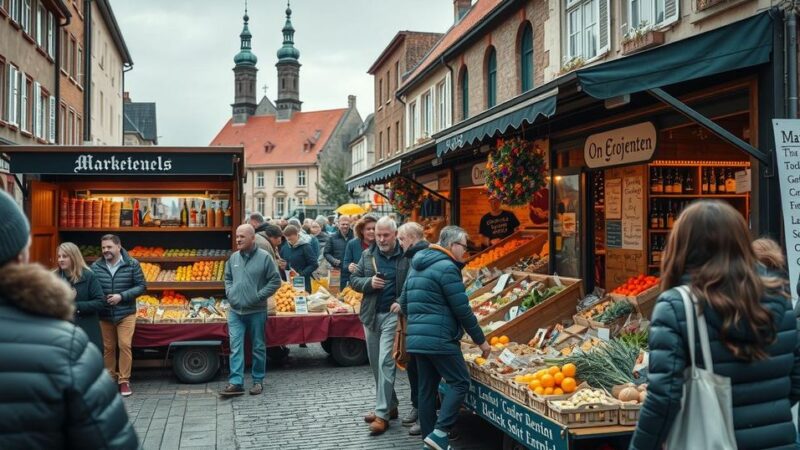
{"x": 570, "y": 64}
{"x": 640, "y": 38}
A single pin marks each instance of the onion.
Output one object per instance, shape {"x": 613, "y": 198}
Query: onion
{"x": 628, "y": 394}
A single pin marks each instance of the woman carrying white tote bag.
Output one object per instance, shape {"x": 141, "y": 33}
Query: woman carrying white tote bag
{"x": 742, "y": 395}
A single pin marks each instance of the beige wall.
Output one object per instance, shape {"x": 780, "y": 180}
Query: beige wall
{"x": 106, "y": 84}
{"x": 429, "y": 84}
{"x": 290, "y": 189}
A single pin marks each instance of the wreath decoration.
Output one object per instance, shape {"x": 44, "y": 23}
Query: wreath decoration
{"x": 515, "y": 171}
{"x": 405, "y": 195}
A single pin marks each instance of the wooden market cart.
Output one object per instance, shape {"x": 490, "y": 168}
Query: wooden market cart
{"x": 57, "y": 178}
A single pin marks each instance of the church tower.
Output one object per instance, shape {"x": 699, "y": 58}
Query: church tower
{"x": 288, "y": 101}
{"x": 244, "y": 74}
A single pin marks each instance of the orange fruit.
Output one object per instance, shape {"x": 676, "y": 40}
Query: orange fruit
{"x": 569, "y": 370}
{"x": 548, "y": 381}
{"x": 504, "y": 340}
{"x": 558, "y": 391}
{"x": 558, "y": 377}
{"x": 538, "y": 375}
{"x": 553, "y": 370}
{"x": 568, "y": 385}
{"x": 535, "y": 384}
{"x": 548, "y": 391}
{"x": 494, "y": 341}
{"x": 539, "y": 390}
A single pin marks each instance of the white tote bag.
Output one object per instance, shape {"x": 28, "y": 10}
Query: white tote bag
{"x": 705, "y": 420}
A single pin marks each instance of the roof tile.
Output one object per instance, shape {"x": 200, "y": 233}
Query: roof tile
{"x": 287, "y": 138}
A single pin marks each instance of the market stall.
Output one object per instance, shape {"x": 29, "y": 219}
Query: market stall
{"x": 176, "y": 211}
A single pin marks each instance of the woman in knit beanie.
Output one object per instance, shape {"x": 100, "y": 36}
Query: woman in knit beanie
{"x": 54, "y": 368}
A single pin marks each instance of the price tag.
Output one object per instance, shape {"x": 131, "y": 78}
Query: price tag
{"x": 604, "y": 334}
{"x": 501, "y": 283}
{"x": 557, "y": 280}
{"x": 509, "y": 358}
{"x": 513, "y": 312}
{"x": 474, "y": 287}
{"x": 299, "y": 283}
{"x": 300, "y": 305}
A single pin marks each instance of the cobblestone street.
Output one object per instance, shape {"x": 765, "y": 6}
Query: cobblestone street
{"x": 309, "y": 403}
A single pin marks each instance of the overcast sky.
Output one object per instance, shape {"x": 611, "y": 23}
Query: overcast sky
{"x": 183, "y": 53}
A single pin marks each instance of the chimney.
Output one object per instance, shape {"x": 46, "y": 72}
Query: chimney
{"x": 126, "y": 97}
{"x": 351, "y": 101}
{"x": 460, "y": 8}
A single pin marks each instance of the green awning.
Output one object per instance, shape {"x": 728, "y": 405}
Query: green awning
{"x": 735, "y": 46}
{"x": 374, "y": 176}
{"x": 527, "y": 111}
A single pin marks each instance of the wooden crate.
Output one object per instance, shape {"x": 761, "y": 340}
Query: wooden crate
{"x": 644, "y": 303}
{"x": 539, "y": 403}
{"x": 535, "y": 245}
{"x": 556, "y": 309}
{"x": 599, "y": 416}
{"x": 501, "y": 312}
{"x": 629, "y": 414}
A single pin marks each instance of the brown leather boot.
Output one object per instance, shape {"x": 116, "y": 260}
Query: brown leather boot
{"x": 370, "y": 417}
{"x": 378, "y": 426}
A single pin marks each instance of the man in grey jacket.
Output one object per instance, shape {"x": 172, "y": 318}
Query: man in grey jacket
{"x": 251, "y": 277}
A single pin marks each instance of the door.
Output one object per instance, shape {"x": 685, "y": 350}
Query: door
{"x": 43, "y": 215}
{"x": 567, "y": 226}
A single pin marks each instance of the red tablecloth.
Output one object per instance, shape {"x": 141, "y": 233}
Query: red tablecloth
{"x": 281, "y": 330}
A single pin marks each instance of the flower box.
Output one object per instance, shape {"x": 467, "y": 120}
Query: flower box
{"x": 648, "y": 40}
{"x": 705, "y": 4}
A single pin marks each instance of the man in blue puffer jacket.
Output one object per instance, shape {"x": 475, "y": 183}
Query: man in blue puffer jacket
{"x": 436, "y": 305}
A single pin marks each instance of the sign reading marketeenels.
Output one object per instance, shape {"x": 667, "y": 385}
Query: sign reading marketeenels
{"x": 100, "y": 163}
{"x": 628, "y": 145}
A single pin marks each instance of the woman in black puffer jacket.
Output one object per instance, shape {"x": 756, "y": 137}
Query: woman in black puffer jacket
{"x": 752, "y": 332}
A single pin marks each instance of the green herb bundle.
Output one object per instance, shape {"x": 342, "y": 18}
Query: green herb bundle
{"x": 606, "y": 365}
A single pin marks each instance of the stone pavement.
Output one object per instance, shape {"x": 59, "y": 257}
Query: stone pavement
{"x": 309, "y": 403}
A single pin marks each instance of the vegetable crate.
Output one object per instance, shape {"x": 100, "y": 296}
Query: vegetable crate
{"x": 594, "y": 416}
{"x": 555, "y": 309}
{"x": 537, "y": 240}
{"x": 613, "y": 325}
{"x": 629, "y": 414}
{"x": 501, "y": 312}
{"x": 539, "y": 403}
{"x": 644, "y": 303}
{"x": 516, "y": 391}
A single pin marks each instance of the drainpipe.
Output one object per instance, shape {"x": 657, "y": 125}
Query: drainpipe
{"x": 87, "y": 64}
{"x": 57, "y": 87}
{"x": 791, "y": 61}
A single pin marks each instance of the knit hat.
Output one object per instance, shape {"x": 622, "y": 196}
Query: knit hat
{"x": 14, "y": 229}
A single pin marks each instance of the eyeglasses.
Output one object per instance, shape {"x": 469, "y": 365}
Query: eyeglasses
{"x": 463, "y": 245}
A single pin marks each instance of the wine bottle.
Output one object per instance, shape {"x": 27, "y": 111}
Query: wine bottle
{"x": 670, "y": 216}
{"x": 662, "y": 219}
{"x": 712, "y": 182}
{"x": 677, "y": 183}
{"x": 730, "y": 182}
{"x": 653, "y": 180}
{"x": 721, "y": 182}
{"x": 660, "y": 182}
{"x": 184, "y": 214}
{"x": 704, "y": 188}
{"x": 193, "y": 215}
{"x": 668, "y": 183}
{"x": 219, "y": 216}
{"x": 688, "y": 183}
{"x": 654, "y": 217}
{"x": 203, "y": 214}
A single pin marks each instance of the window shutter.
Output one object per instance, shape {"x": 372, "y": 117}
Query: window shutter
{"x": 23, "y": 101}
{"x": 51, "y": 30}
{"x": 671, "y": 12}
{"x": 11, "y": 110}
{"x": 52, "y": 128}
{"x": 37, "y": 131}
{"x": 604, "y": 19}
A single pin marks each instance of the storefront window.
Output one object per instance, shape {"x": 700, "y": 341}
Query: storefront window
{"x": 567, "y": 225}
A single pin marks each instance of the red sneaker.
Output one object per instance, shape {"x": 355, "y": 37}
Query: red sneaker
{"x": 125, "y": 389}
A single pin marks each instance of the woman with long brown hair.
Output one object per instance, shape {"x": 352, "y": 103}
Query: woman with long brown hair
{"x": 365, "y": 236}
{"x": 89, "y": 298}
{"x": 751, "y": 329}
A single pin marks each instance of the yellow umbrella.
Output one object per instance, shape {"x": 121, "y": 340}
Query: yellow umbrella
{"x": 350, "y": 209}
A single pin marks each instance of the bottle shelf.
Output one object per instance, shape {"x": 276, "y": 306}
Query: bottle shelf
{"x": 167, "y": 259}
{"x": 147, "y": 230}
{"x": 671, "y": 196}
{"x": 659, "y": 230}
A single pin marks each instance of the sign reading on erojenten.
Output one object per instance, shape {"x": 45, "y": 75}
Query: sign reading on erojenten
{"x": 627, "y": 145}
{"x": 99, "y": 163}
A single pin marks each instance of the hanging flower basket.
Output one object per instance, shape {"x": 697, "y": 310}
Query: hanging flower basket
{"x": 404, "y": 195}
{"x": 515, "y": 171}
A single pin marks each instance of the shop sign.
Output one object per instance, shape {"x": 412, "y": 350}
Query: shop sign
{"x": 787, "y": 145}
{"x": 521, "y": 423}
{"x": 479, "y": 174}
{"x": 628, "y": 145}
{"x": 99, "y": 163}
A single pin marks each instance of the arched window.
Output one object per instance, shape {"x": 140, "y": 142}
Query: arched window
{"x": 491, "y": 78}
{"x": 526, "y": 58}
{"x": 464, "y": 94}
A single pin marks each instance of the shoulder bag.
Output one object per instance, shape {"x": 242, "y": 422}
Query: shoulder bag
{"x": 706, "y": 416}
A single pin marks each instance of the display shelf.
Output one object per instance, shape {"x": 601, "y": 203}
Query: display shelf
{"x": 148, "y": 229}
{"x": 166, "y": 259}
{"x": 659, "y": 230}
{"x": 672, "y": 196}
{"x": 185, "y": 285}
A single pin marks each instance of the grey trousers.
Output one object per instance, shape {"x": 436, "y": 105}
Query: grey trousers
{"x": 380, "y": 343}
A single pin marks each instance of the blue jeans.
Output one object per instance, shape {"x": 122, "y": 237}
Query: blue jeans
{"x": 254, "y": 325}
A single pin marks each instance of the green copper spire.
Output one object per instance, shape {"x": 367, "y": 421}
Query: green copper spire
{"x": 245, "y": 57}
{"x": 288, "y": 52}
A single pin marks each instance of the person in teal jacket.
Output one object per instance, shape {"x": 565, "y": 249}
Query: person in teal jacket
{"x": 365, "y": 236}
{"x": 437, "y": 307}
{"x": 299, "y": 255}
